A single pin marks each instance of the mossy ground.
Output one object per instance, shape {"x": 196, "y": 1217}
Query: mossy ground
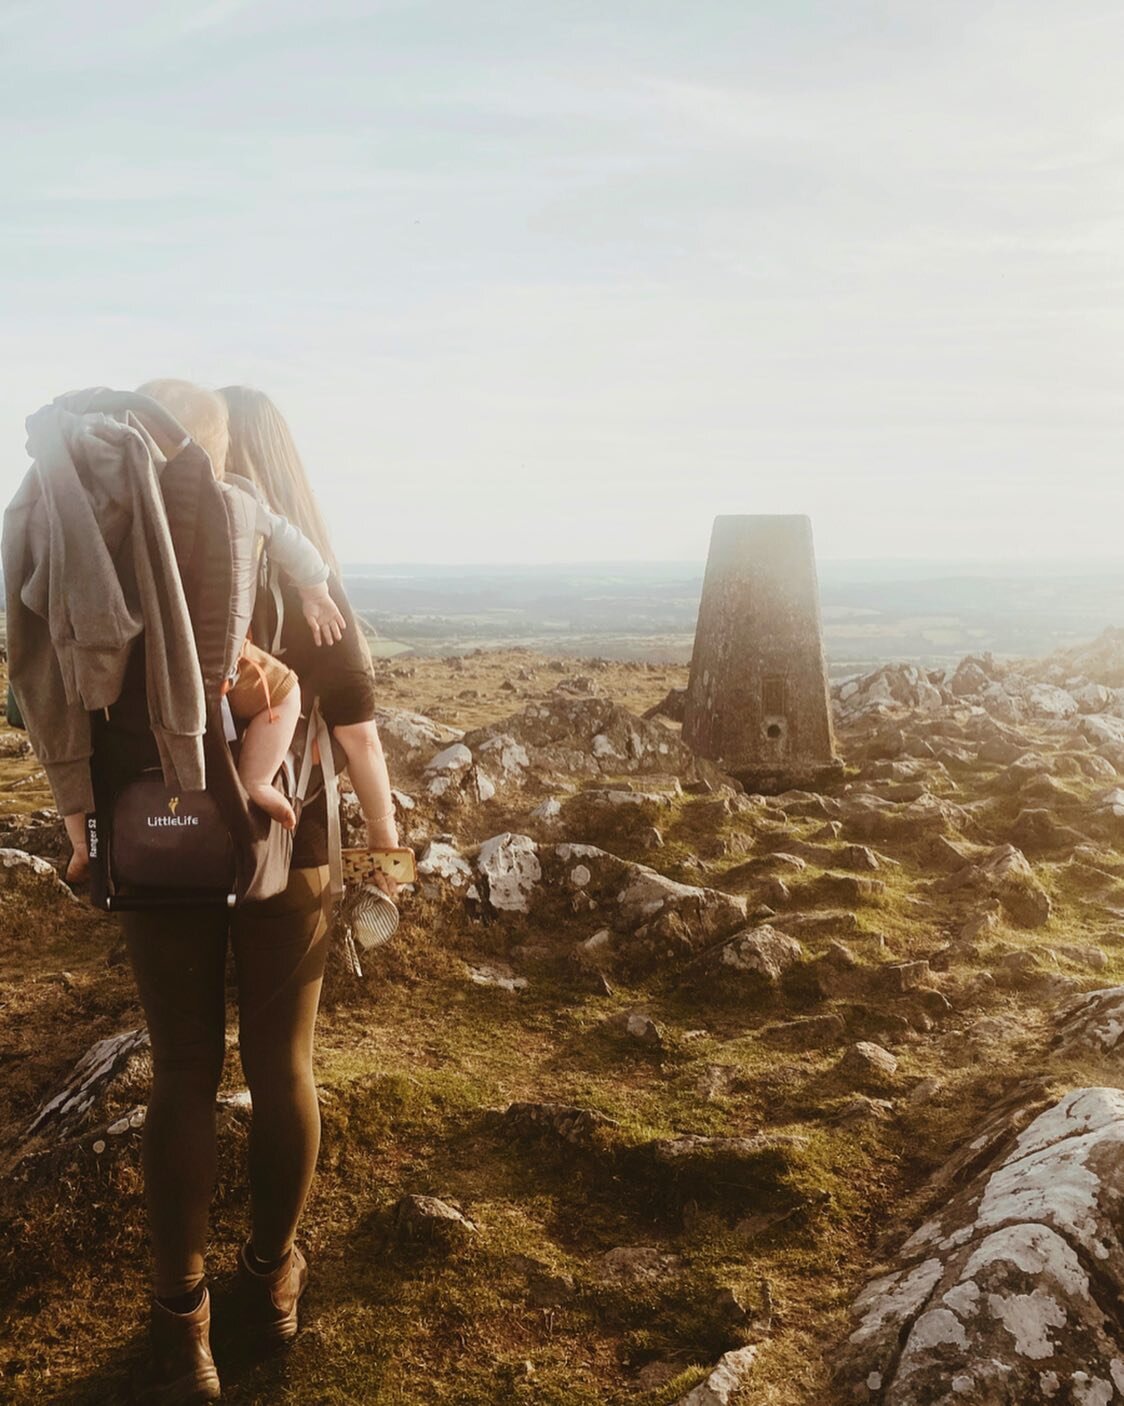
{"x": 415, "y": 1063}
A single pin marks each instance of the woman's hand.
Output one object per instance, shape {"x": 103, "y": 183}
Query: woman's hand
{"x": 388, "y": 885}
{"x": 383, "y": 834}
{"x": 322, "y": 613}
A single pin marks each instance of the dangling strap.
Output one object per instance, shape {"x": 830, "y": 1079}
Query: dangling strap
{"x": 308, "y": 759}
{"x": 332, "y": 796}
{"x": 278, "y": 604}
{"x": 253, "y": 663}
{"x": 318, "y": 739}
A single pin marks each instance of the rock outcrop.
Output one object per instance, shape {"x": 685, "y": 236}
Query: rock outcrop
{"x": 1011, "y": 1295}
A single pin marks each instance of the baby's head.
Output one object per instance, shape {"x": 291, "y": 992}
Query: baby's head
{"x": 202, "y": 413}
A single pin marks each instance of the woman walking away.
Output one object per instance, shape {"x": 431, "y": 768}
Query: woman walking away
{"x": 178, "y": 956}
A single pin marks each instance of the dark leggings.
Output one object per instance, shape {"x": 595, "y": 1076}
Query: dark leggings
{"x": 179, "y": 961}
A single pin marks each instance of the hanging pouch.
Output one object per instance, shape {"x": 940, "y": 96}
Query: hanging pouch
{"x": 162, "y": 849}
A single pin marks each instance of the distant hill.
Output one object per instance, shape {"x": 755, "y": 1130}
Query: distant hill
{"x": 874, "y": 611}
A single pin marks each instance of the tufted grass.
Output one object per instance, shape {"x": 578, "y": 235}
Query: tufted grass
{"x": 415, "y": 1065}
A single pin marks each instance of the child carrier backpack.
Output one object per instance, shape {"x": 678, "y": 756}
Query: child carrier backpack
{"x": 149, "y": 845}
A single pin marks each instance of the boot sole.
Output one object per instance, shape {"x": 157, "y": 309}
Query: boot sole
{"x": 197, "y": 1389}
{"x": 275, "y": 1336}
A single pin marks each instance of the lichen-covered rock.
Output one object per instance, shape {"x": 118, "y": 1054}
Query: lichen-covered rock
{"x": 636, "y": 896}
{"x": 636, "y": 1026}
{"x": 558, "y": 1122}
{"x": 496, "y": 974}
{"x": 503, "y": 755}
{"x": 653, "y": 916}
{"x": 1091, "y": 1023}
{"x": 969, "y": 678}
{"x": 1050, "y": 702}
{"x": 41, "y": 833}
{"x": 875, "y": 818}
{"x": 1005, "y": 872}
{"x": 617, "y": 799}
{"x": 728, "y": 1376}
{"x": 672, "y": 705}
{"x": 1001, "y": 751}
{"x": 409, "y": 738}
{"x": 431, "y": 1220}
{"x": 1101, "y": 729}
{"x": 761, "y": 953}
{"x": 442, "y": 860}
{"x": 895, "y": 686}
{"x": 509, "y": 870}
{"x": 454, "y": 777}
{"x": 68, "y": 1110}
{"x": 586, "y": 736}
{"x": 1009, "y": 1295}
{"x": 867, "y": 1063}
{"x": 1037, "y": 831}
{"x": 32, "y": 877}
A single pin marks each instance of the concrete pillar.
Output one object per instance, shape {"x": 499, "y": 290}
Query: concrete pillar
{"x": 757, "y": 698}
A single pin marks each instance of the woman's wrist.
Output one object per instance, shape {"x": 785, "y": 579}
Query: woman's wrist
{"x": 382, "y": 833}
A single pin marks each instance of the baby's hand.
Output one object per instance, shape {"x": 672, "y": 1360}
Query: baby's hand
{"x": 322, "y": 613}
{"x": 78, "y": 870}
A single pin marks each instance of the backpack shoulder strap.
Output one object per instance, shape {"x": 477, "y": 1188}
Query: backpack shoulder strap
{"x": 273, "y": 582}
{"x": 318, "y": 751}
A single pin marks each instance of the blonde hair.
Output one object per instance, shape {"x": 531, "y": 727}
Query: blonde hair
{"x": 262, "y": 450}
{"x": 202, "y": 413}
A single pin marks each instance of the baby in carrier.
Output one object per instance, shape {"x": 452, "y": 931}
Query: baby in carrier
{"x": 264, "y": 692}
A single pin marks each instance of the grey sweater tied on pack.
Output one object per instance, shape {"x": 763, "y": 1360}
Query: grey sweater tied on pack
{"x": 89, "y": 565}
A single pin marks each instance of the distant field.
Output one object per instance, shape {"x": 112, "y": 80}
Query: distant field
{"x": 872, "y": 612}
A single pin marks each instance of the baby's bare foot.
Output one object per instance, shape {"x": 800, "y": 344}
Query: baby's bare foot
{"x": 270, "y": 799}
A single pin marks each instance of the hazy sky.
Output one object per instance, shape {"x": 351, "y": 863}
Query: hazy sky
{"x": 562, "y": 279}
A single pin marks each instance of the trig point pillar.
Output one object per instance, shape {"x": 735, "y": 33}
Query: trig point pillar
{"x": 757, "y": 699}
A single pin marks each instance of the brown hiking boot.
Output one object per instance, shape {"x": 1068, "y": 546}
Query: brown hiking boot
{"x": 271, "y": 1300}
{"x": 182, "y": 1371}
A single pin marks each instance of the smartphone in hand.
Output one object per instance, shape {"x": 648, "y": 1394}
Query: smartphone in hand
{"x": 361, "y": 865}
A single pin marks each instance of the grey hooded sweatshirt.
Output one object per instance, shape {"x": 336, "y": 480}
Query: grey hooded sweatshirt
{"x": 89, "y": 565}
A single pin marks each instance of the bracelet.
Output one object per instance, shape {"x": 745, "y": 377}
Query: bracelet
{"x": 386, "y": 815}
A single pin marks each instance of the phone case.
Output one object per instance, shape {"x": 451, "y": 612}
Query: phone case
{"x": 361, "y": 865}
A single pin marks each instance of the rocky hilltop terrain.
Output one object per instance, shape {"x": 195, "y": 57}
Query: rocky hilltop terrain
{"x": 663, "y": 1093}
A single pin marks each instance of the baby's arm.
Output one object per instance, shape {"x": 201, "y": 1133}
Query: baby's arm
{"x": 298, "y": 558}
